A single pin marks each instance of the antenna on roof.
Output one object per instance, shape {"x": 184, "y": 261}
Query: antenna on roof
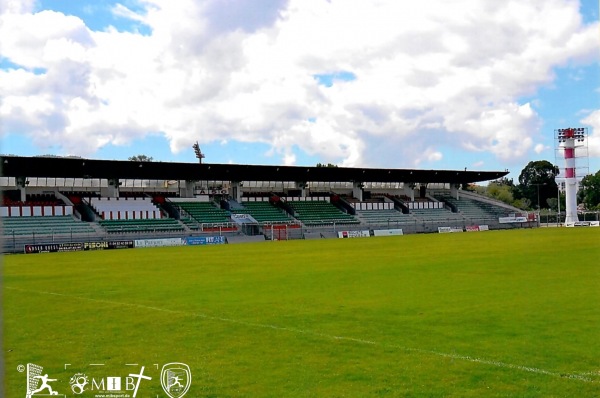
{"x": 198, "y": 152}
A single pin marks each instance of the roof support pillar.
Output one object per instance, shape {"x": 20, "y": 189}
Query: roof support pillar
{"x": 357, "y": 190}
{"x": 236, "y": 191}
{"x": 188, "y": 190}
{"x": 22, "y": 183}
{"x": 454, "y": 190}
{"x": 302, "y": 185}
{"x": 409, "y": 190}
{"x": 112, "y": 190}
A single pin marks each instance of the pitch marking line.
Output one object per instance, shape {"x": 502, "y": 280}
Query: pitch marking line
{"x": 467, "y": 358}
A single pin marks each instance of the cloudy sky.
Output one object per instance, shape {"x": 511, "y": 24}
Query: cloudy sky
{"x": 436, "y": 84}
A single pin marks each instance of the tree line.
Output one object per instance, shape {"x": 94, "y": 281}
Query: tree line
{"x": 537, "y": 189}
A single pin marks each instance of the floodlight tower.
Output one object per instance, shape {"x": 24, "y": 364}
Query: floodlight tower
{"x": 199, "y": 154}
{"x": 571, "y": 143}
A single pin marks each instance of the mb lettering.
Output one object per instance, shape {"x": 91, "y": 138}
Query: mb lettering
{"x": 111, "y": 384}
{"x": 128, "y": 383}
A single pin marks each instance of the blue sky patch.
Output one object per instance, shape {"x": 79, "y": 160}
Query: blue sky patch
{"x": 328, "y": 79}
{"x": 6, "y": 64}
{"x": 589, "y": 10}
{"x": 98, "y": 15}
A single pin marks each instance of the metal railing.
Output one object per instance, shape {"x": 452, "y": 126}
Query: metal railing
{"x": 553, "y": 219}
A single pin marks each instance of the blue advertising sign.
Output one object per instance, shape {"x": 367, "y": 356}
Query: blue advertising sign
{"x": 204, "y": 240}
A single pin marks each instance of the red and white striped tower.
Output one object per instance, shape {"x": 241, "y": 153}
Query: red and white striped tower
{"x": 569, "y": 139}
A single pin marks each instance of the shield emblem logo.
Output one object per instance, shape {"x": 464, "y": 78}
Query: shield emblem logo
{"x": 176, "y": 379}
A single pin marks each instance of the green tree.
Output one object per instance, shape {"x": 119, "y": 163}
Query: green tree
{"x": 553, "y": 203}
{"x": 140, "y": 158}
{"x": 326, "y": 165}
{"x": 478, "y": 189}
{"x": 502, "y": 190}
{"x": 537, "y": 183}
{"x": 589, "y": 191}
{"x": 522, "y": 203}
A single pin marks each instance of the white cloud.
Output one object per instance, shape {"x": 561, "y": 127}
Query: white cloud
{"x": 121, "y": 11}
{"x": 446, "y": 72}
{"x": 16, "y": 6}
{"x": 539, "y": 148}
{"x": 593, "y": 120}
{"x": 428, "y": 154}
{"x": 434, "y": 156}
{"x": 289, "y": 159}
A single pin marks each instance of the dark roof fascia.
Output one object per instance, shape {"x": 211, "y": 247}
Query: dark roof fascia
{"x": 17, "y": 166}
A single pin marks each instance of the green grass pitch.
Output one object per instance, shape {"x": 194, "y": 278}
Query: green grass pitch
{"x": 489, "y": 314}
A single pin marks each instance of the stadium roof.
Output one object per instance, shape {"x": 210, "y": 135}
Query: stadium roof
{"x": 18, "y": 166}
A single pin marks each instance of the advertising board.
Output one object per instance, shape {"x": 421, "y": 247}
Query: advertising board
{"x": 204, "y": 240}
{"x": 53, "y": 248}
{"x": 387, "y": 232}
{"x": 354, "y": 234}
{"x": 158, "y": 242}
{"x": 508, "y": 220}
{"x": 445, "y": 230}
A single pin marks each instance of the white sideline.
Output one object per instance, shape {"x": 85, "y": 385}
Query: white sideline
{"x": 573, "y": 376}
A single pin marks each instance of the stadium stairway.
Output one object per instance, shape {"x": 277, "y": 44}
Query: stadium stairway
{"x": 234, "y": 205}
{"x": 343, "y": 204}
{"x": 399, "y": 204}
{"x": 85, "y": 211}
{"x": 167, "y": 207}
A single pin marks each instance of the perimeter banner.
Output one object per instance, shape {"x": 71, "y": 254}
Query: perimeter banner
{"x": 117, "y": 244}
{"x": 158, "y": 242}
{"x": 354, "y": 234}
{"x": 204, "y": 240}
{"x": 121, "y": 244}
{"x": 53, "y": 248}
{"x": 446, "y": 230}
{"x": 387, "y": 232}
{"x": 508, "y": 220}
{"x": 583, "y": 224}
{"x": 77, "y": 246}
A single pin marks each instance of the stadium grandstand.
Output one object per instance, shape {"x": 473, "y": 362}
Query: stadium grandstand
{"x": 54, "y": 199}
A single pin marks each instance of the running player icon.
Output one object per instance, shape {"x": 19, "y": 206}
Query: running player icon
{"x": 45, "y": 385}
{"x": 175, "y": 382}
